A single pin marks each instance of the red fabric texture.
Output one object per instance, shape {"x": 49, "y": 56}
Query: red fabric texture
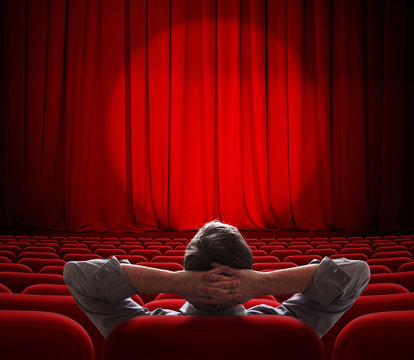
{"x": 127, "y": 115}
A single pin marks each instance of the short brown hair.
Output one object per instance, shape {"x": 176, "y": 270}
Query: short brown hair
{"x": 218, "y": 242}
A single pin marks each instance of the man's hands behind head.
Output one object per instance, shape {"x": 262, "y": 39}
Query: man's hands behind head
{"x": 210, "y": 291}
{"x": 248, "y": 283}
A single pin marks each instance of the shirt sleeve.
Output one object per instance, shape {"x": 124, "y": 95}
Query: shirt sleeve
{"x": 102, "y": 290}
{"x": 333, "y": 290}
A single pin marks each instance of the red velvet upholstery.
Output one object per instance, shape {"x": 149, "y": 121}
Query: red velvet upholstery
{"x": 382, "y": 289}
{"x": 15, "y": 267}
{"x": 367, "y": 305}
{"x": 406, "y": 267}
{"x": 37, "y": 255}
{"x": 47, "y": 289}
{"x": 107, "y": 253}
{"x": 50, "y": 269}
{"x": 302, "y": 259}
{"x": 165, "y": 258}
{"x": 379, "y": 269}
{"x": 282, "y": 254}
{"x": 379, "y": 336}
{"x": 4, "y": 289}
{"x": 43, "y": 336}
{"x": 37, "y": 264}
{"x": 206, "y": 338}
{"x": 405, "y": 279}
{"x": 392, "y": 263}
{"x": 265, "y": 259}
{"x": 148, "y": 254}
{"x": 18, "y": 281}
{"x": 64, "y": 305}
{"x": 80, "y": 257}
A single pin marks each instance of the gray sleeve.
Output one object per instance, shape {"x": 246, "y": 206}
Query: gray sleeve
{"x": 333, "y": 290}
{"x": 102, "y": 290}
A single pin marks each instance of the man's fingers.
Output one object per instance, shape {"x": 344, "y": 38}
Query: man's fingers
{"x": 219, "y": 291}
{"x": 215, "y": 277}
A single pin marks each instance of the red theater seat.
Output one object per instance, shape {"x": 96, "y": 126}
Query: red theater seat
{"x": 37, "y": 255}
{"x": 20, "y": 244}
{"x": 18, "y": 281}
{"x": 265, "y": 259}
{"x": 379, "y": 269}
{"x": 392, "y": 263}
{"x": 95, "y": 247}
{"x": 41, "y": 249}
{"x": 148, "y": 254}
{"x": 169, "y": 259}
{"x": 321, "y": 252}
{"x": 405, "y": 279}
{"x": 366, "y": 305}
{"x": 4, "y": 289}
{"x": 129, "y": 248}
{"x": 47, "y": 289}
{"x": 392, "y": 254}
{"x": 379, "y": 336}
{"x": 259, "y": 253}
{"x": 301, "y": 248}
{"x": 15, "y": 267}
{"x": 8, "y": 254}
{"x": 80, "y": 257}
{"x": 5, "y": 260}
{"x": 50, "y": 269}
{"x": 13, "y": 248}
{"x": 234, "y": 337}
{"x": 269, "y": 248}
{"x": 175, "y": 253}
{"x": 161, "y": 248}
{"x": 37, "y": 264}
{"x": 107, "y": 253}
{"x": 406, "y": 267}
{"x": 283, "y": 254}
{"x": 65, "y": 251}
{"x": 64, "y": 305}
{"x": 302, "y": 259}
{"x": 357, "y": 250}
{"x": 42, "y": 335}
{"x": 384, "y": 288}
{"x": 390, "y": 248}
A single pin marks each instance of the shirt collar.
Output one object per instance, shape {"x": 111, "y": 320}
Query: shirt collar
{"x": 189, "y": 309}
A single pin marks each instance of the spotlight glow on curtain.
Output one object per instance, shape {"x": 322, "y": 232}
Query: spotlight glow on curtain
{"x": 266, "y": 114}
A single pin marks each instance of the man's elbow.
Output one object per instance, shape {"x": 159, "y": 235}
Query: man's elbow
{"x": 69, "y": 272}
{"x": 364, "y": 272}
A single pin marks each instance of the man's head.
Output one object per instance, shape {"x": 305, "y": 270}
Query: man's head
{"x": 220, "y": 243}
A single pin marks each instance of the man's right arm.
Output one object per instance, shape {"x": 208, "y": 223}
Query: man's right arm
{"x": 323, "y": 291}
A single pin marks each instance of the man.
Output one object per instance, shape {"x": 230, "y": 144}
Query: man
{"x": 217, "y": 279}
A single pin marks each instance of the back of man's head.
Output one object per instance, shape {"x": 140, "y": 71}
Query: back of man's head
{"x": 218, "y": 242}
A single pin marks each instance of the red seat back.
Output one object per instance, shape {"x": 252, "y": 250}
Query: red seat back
{"x": 42, "y": 335}
{"x": 233, "y": 337}
{"x": 379, "y": 336}
{"x": 64, "y": 305}
{"x": 367, "y": 305}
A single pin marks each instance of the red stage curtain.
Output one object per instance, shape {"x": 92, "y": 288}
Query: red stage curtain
{"x": 266, "y": 114}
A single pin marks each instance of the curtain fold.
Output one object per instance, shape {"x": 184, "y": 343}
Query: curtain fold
{"x": 166, "y": 114}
